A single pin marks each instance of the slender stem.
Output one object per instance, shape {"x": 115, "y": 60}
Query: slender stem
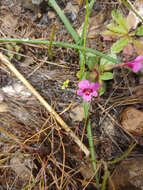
{"x": 119, "y": 158}
{"x": 91, "y": 145}
{"x": 7, "y": 63}
{"x": 61, "y": 44}
{"x": 51, "y": 40}
{"x": 124, "y": 155}
{"x": 82, "y": 65}
{"x": 132, "y": 9}
{"x": 64, "y": 19}
{"x": 83, "y": 35}
{"x": 90, "y": 8}
{"x": 106, "y": 175}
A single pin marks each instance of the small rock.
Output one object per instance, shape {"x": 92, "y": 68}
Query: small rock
{"x": 132, "y": 121}
{"x": 128, "y": 175}
{"x": 20, "y": 165}
{"x": 17, "y": 90}
{"x": 77, "y": 113}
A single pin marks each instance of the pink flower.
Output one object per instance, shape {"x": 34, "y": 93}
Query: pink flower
{"x": 136, "y": 64}
{"x": 87, "y": 89}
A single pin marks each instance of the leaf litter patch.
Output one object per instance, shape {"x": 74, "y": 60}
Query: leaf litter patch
{"x": 51, "y": 153}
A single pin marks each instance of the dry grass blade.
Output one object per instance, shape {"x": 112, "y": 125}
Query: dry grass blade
{"x": 6, "y": 62}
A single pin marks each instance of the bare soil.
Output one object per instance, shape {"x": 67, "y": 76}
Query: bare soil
{"x": 30, "y": 138}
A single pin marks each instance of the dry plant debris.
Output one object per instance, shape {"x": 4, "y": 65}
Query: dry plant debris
{"x": 30, "y": 137}
{"x": 132, "y": 120}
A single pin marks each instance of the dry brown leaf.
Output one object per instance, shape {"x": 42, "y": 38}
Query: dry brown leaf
{"x": 87, "y": 171}
{"x": 128, "y": 175}
{"x": 20, "y": 165}
{"x": 138, "y": 46}
{"x": 3, "y": 108}
{"x": 128, "y": 51}
{"x": 132, "y": 121}
{"x": 95, "y": 25}
{"x": 132, "y": 19}
{"x": 77, "y": 113}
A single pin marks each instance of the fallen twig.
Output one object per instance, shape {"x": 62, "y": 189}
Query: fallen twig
{"x": 6, "y": 62}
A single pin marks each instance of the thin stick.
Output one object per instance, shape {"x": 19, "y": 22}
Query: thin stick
{"x": 44, "y": 103}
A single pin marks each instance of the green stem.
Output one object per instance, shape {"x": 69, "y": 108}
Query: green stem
{"x": 61, "y": 44}
{"x": 132, "y": 9}
{"x": 90, "y": 8}
{"x": 106, "y": 175}
{"x": 82, "y": 55}
{"x": 82, "y": 65}
{"x": 51, "y": 40}
{"x": 124, "y": 155}
{"x": 64, "y": 19}
{"x": 117, "y": 159}
{"x": 91, "y": 145}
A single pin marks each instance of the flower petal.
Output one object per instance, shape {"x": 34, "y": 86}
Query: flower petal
{"x": 83, "y": 84}
{"x": 79, "y": 92}
{"x": 87, "y": 98}
{"x": 137, "y": 67}
{"x": 129, "y": 64}
{"x": 139, "y": 59}
{"x": 95, "y": 94}
{"x": 94, "y": 86}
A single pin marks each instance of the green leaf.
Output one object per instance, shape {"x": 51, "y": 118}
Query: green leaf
{"x": 118, "y": 17}
{"x": 117, "y": 28}
{"x": 104, "y": 61}
{"x": 118, "y": 46}
{"x": 91, "y": 60}
{"x": 106, "y": 76}
{"x": 139, "y": 31}
{"x": 102, "y": 89}
{"x": 87, "y": 75}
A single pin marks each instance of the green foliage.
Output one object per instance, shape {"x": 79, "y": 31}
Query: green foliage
{"x": 120, "y": 20}
{"x": 91, "y": 60}
{"x": 118, "y": 46}
{"x": 120, "y": 31}
{"x": 65, "y": 84}
{"x": 102, "y": 90}
{"x": 116, "y": 29}
{"x": 139, "y": 31}
{"x": 104, "y": 62}
{"x": 106, "y": 76}
{"x": 12, "y": 50}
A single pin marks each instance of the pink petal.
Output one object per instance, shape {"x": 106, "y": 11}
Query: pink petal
{"x": 94, "y": 86}
{"x": 95, "y": 94}
{"x": 79, "y": 92}
{"x": 138, "y": 59}
{"x": 129, "y": 64}
{"x": 137, "y": 67}
{"x": 83, "y": 84}
{"x": 87, "y": 98}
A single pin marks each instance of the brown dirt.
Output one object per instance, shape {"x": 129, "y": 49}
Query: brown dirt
{"x": 50, "y": 159}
